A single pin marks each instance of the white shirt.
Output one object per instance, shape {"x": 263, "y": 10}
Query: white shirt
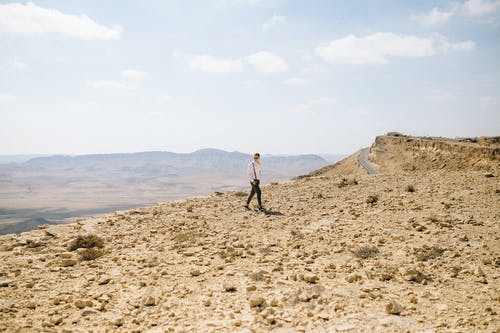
{"x": 254, "y": 171}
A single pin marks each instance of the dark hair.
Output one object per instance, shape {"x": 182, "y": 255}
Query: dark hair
{"x": 256, "y": 155}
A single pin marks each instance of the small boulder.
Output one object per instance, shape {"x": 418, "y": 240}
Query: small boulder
{"x": 83, "y": 303}
{"x": 351, "y": 278}
{"x": 255, "y": 300}
{"x": 310, "y": 277}
{"x": 230, "y": 286}
{"x": 149, "y": 301}
{"x": 195, "y": 272}
{"x": 104, "y": 280}
{"x": 393, "y": 308}
{"x": 68, "y": 262}
{"x": 5, "y": 283}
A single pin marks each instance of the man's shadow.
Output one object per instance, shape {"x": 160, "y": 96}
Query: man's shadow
{"x": 273, "y": 213}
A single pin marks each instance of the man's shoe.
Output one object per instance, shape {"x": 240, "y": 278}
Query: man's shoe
{"x": 262, "y": 209}
{"x": 247, "y": 207}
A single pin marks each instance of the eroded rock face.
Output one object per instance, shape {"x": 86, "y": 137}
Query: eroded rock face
{"x": 322, "y": 260}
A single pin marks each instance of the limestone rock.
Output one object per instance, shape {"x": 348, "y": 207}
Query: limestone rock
{"x": 393, "y": 308}
{"x": 351, "y": 278}
{"x": 310, "y": 277}
{"x": 68, "y": 262}
{"x": 149, "y": 301}
{"x": 104, "y": 280}
{"x": 83, "y": 303}
{"x": 5, "y": 283}
{"x": 230, "y": 286}
{"x": 255, "y": 300}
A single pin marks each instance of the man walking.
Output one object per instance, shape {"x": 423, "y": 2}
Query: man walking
{"x": 254, "y": 173}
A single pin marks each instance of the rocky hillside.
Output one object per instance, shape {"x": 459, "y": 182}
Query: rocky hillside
{"x": 397, "y": 252}
{"x": 393, "y": 153}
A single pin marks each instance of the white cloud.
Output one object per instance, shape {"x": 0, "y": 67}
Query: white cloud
{"x": 470, "y": 8}
{"x": 31, "y": 20}
{"x": 112, "y": 85}
{"x": 267, "y": 62}
{"x": 134, "y": 74}
{"x": 435, "y": 17}
{"x": 477, "y": 8}
{"x": 7, "y": 97}
{"x": 19, "y": 64}
{"x": 207, "y": 63}
{"x": 262, "y": 61}
{"x": 379, "y": 47}
{"x": 275, "y": 20}
{"x": 295, "y": 81}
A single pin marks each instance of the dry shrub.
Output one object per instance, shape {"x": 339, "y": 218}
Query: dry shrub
{"x": 365, "y": 252}
{"x": 372, "y": 199}
{"x": 91, "y": 254}
{"x": 427, "y": 253}
{"x": 240, "y": 194}
{"x": 410, "y": 188}
{"x": 347, "y": 182}
{"x": 189, "y": 209}
{"x": 87, "y": 242}
{"x": 433, "y": 218}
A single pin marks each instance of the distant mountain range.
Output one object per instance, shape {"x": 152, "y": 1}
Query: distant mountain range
{"x": 206, "y": 161}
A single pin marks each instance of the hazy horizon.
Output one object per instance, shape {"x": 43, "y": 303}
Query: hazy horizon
{"x": 275, "y": 76}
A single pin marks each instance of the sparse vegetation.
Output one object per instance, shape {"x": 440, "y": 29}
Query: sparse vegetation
{"x": 410, "y": 188}
{"x": 427, "y": 253}
{"x": 318, "y": 196}
{"x": 91, "y": 254}
{"x": 433, "y": 218}
{"x": 240, "y": 194}
{"x": 189, "y": 209}
{"x": 347, "y": 182}
{"x": 87, "y": 242}
{"x": 365, "y": 252}
{"x": 372, "y": 199}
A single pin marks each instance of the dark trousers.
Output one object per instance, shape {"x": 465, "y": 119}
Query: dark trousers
{"x": 255, "y": 189}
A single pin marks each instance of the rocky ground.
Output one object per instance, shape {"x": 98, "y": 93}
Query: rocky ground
{"x": 406, "y": 252}
{"x": 413, "y": 249}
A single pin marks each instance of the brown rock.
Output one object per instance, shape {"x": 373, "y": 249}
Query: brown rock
{"x": 310, "y": 277}
{"x": 149, "y": 301}
{"x": 83, "y": 303}
{"x": 68, "y": 262}
{"x": 5, "y": 283}
{"x": 351, "y": 278}
{"x": 229, "y": 286}
{"x": 255, "y": 299}
{"x": 393, "y": 308}
{"x": 104, "y": 280}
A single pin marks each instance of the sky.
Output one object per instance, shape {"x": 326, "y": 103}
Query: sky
{"x": 273, "y": 76}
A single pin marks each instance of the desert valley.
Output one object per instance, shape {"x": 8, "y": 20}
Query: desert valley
{"x": 414, "y": 248}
